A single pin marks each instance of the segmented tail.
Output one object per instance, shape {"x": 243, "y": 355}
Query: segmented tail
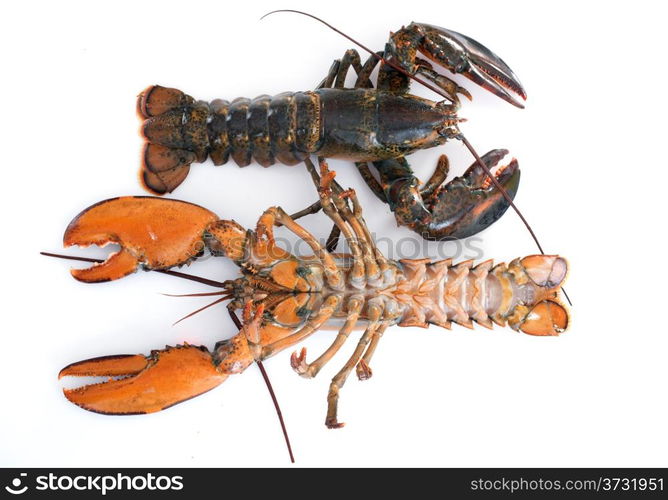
{"x": 180, "y": 131}
{"x": 522, "y": 294}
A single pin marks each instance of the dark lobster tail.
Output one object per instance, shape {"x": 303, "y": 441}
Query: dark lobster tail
{"x": 180, "y": 131}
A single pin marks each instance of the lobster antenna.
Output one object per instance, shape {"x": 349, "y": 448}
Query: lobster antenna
{"x": 190, "y": 315}
{"x": 191, "y": 277}
{"x": 389, "y": 63}
{"x": 238, "y": 324}
{"x": 461, "y": 136}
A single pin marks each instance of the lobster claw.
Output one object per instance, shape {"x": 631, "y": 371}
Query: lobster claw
{"x": 464, "y": 55}
{"x": 147, "y": 383}
{"x": 152, "y": 232}
{"x": 471, "y": 203}
{"x": 463, "y": 207}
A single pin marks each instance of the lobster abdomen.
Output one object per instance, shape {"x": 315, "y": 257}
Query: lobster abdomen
{"x": 521, "y": 294}
{"x": 179, "y": 131}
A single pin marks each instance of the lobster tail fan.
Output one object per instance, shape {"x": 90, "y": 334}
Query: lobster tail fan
{"x": 175, "y": 131}
{"x": 546, "y": 318}
{"x": 163, "y": 169}
{"x": 157, "y": 100}
{"x": 547, "y": 271}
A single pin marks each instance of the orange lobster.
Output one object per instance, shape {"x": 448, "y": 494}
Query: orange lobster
{"x": 286, "y": 298}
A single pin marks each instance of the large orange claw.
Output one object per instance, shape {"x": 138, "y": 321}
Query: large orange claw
{"x": 152, "y": 383}
{"x": 152, "y": 232}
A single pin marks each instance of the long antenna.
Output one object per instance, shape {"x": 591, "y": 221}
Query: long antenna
{"x": 238, "y": 324}
{"x": 389, "y": 63}
{"x": 234, "y": 317}
{"x": 191, "y": 277}
{"x": 461, "y": 136}
{"x": 215, "y": 302}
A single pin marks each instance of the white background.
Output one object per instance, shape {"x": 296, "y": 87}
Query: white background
{"x": 594, "y": 177}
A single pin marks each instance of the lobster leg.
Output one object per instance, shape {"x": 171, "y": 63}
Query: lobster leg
{"x": 314, "y": 208}
{"x": 437, "y": 178}
{"x": 363, "y": 369}
{"x": 364, "y": 76}
{"x": 355, "y": 219}
{"x": 375, "y": 311}
{"x": 335, "y": 204}
{"x": 378, "y": 268}
{"x": 351, "y": 223}
{"x": 364, "y": 263}
{"x": 333, "y": 238}
{"x": 313, "y": 324}
{"x": 371, "y": 181}
{"x": 450, "y": 87}
{"x": 336, "y": 77}
{"x": 357, "y": 277}
{"x": 310, "y": 370}
{"x": 276, "y": 214}
{"x": 335, "y": 233}
{"x": 328, "y": 81}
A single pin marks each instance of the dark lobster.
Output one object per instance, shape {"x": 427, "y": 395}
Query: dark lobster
{"x": 363, "y": 124}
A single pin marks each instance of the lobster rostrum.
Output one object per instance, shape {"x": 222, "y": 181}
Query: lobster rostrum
{"x": 364, "y": 124}
{"x": 286, "y": 298}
